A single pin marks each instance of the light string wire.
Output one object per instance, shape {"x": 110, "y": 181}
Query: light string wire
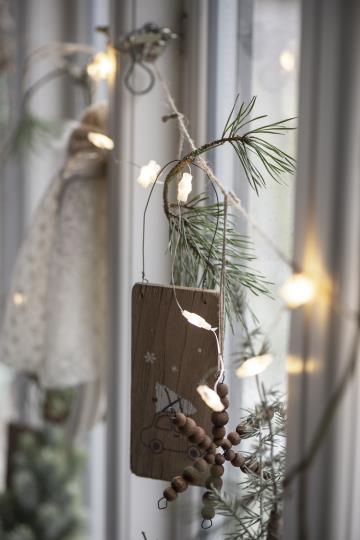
{"x": 222, "y": 307}
{"x": 145, "y": 212}
{"x": 213, "y": 330}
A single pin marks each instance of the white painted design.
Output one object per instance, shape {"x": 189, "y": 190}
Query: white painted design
{"x": 149, "y": 357}
{"x": 167, "y": 399}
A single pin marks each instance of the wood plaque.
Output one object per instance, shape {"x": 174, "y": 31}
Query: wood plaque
{"x": 170, "y": 357}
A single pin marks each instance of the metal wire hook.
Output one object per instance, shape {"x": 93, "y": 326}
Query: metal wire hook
{"x": 130, "y": 72}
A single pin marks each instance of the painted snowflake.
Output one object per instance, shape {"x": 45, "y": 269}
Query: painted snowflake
{"x": 149, "y": 357}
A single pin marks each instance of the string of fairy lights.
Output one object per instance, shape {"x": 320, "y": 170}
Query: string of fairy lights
{"x": 298, "y": 290}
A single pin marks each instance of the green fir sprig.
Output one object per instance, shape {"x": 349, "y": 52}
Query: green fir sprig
{"x": 255, "y": 513}
{"x": 196, "y": 239}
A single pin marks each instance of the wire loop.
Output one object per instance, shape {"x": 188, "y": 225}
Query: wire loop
{"x": 129, "y": 73}
{"x": 204, "y": 521}
{"x": 162, "y": 505}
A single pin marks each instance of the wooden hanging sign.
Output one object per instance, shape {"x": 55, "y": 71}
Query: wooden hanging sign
{"x": 170, "y": 358}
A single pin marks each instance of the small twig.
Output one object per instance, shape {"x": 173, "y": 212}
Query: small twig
{"x": 168, "y": 117}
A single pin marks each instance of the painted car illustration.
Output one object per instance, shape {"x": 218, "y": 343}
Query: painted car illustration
{"x": 162, "y": 435}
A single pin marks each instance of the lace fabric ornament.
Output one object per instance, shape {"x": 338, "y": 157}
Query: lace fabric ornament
{"x": 55, "y": 322}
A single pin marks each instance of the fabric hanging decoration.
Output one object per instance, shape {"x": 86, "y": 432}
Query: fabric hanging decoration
{"x": 56, "y": 317}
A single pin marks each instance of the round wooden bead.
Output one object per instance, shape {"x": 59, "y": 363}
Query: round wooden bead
{"x": 226, "y": 444}
{"x": 217, "y": 470}
{"x": 179, "y": 484}
{"x": 219, "y": 459}
{"x": 214, "y": 482}
{"x": 241, "y": 428}
{"x": 201, "y": 465}
{"x": 205, "y": 443}
{"x": 210, "y": 458}
{"x": 207, "y": 512}
{"x": 189, "y": 427}
{"x": 198, "y": 436}
{"x": 234, "y": 438}
{"x": 212, "y": 449}
{"x": 238, "y": 461}
{"x": 180, "y": 420}
{"x": 229, "y": 455}
{"x": 191, "y": 475}
{"x": 225, "y": 401}
{"x": 219, "y": 432}
{"x": 220, "y": 418}
{"x": 222, "y": 390}
{"x": 207, "y": 498}
{"x": 170, "y": 494}
{"x": 218, "y": 442}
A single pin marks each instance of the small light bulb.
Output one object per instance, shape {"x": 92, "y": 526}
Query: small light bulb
{"x": 297, "y": 290}
{"x": 100, "y": 140}
{"x": 210, "y": 397}
{"x": 196, "y": 320}
{"x": 184, "y": 187}
{"x": 287, "y": 60}
{"x": 296, "y": 365}
{"x": 254, "y": 365}
{"x": 18, "y": 299}
{"x": 102, "y": 66}
{"x": 148, "y": 174}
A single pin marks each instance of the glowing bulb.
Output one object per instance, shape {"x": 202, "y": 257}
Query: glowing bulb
{"x": 297, "y": 291}
{"x": 296, "y": 365}
{"x": 100, "y": 140}
{"x": 254, "y": 365}
{"x": 102, "y": 66}
{"x": 210, "y": 397}
{"x": 287, "y": 60}
{"x": 184, "y": 187}
{"x": 148, "y": 174}
{"x": 18, "y": 299}
{"x": 196, "y": 320}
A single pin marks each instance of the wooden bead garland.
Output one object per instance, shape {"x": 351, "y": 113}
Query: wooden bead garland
{"x": 219, "y": 420}
{"x": 210, "y": 463}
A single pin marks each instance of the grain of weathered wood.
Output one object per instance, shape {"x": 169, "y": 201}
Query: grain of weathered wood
{"x": 170, "y": 357}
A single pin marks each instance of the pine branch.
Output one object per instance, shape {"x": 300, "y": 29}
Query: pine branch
{"x": 197, "y": 237}
{"x": 256, "y": 513}
{"x": 258, "y": 156}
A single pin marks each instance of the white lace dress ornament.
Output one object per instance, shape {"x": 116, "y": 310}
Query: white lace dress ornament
{"x": 55, "y": 323}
